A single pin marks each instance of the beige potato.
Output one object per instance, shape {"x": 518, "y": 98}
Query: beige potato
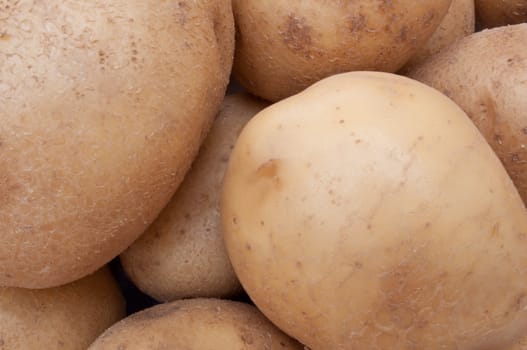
{"x": 104, "y": 106}
{"x": 197, "y": 324}
{"x": 492, "y": 92}
{"x": 67, "y": 317}
{"x": 496, "y": 13}
{"x": 368, "y": 212}
{"x": 521, "y": 345}
{"x": 182, "y": 253}
{"x": 283, "y": 47}
{"x": 457, "y": 23}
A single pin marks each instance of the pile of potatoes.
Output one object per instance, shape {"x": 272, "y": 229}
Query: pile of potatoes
{"x": 247, "y": 174}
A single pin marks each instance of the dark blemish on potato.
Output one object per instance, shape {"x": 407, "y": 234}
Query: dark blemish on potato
{"x": 427, "y": 225}
{"x": 429, "y": 18}
{"x": 234, "y": 220}
{"x": 262, "y": 223}
{"x": 282, "y": 344}
{"x": 248, "y": 246}
{"x": 403, "y": 34}
{"x": 341, "y": 121}
{"x": 358, "y": 141}
{"x": 298, "y": 264}
{"x": 182, "y": 232}
{"x": 268, "y": 169}
{"x": 521, "y": 301}
{"x": 297, "y": 34}
{"x": 522, "y": 236}
{"x": 498, "y": 139}
{"x": 356, "y": 23}
{"x": 187, "y": 216}
{"x": 2, "y": 343}
{"x": 358, "y": 265}
{"x": 4, "y": 36}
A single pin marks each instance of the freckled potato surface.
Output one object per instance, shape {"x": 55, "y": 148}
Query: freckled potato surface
{"x": 197, "y": 324}
{"x": 67, "y": 317}
{"x": 457, "y": 23}
{"x": 283, "y": 47}
{"x": 496, "y": 13}
{"x": 368, "y": 212}
{"x": 492, "y": 92}
{"x": 182, "y": 253}
{"x": 103, "y": 107}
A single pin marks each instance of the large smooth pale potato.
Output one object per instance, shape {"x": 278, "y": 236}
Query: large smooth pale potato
{"x": 283, "y": 47}
{"x": 197, "y": 324}
{"x": 486, "y": 75}
{"x": 496, "y": 13}
{"x": 457, "y": 23}
{"x": 182, "y": 253}
{"x": 67, "y": 317}
{"x": 104, "y": 105}
{"x": 368, "y": 212}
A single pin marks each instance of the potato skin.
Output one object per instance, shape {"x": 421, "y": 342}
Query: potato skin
{"x": 66, "y": 317}
{"x": 368, "y": 212}
{"x": 493, "y": 13}
{"x": 182, "y": 253}
{"x": 457, "y": 23}
{"x": 492, "y": 92}
{"x": 283, "y": 47}
{"x": 104, "y": 105}
{"x": 198, "y": 324}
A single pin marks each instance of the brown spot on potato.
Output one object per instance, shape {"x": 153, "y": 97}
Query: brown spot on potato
{"x": 248, "y": 246}
{"x": 247, "y": 338}
{"x": 297, "y": 34}
{"x": 356, "y": 23}
{"x": 4, "y": 36}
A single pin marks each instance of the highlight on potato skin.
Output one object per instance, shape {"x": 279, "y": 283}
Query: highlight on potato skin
{"x": 368, "y": 212}
{"x": 182, "y": 253}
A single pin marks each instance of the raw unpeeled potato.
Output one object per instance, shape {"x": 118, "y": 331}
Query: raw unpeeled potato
{"x": 283, "y": 47}
{"x": 457, "y": 23}
{"x": 182, "y": 253}
{"x": 497, "y": 13}
{"x": 486, "y": 75}
{"x": 368, "y": 212}
{"x": 197, "y": 324}
{"x": 67, "y": 317}
{"x": 103, "y": 107}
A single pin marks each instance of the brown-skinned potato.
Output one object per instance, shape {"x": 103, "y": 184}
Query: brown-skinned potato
{"x": 457, "y": 23}
{"x": 493, "y": 93}
{"x": 497, "y": 13}
{"x": 68, "y": 317}
{"x": 197, "y": 324}
{"x": 182, "y": 253}
{"x": 283, "y": 47}
{"x": 104, "y": 106}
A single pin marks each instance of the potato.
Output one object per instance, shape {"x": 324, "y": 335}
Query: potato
{"x": 520, "y": 345}
{"x": 104, "y": 106}
{"x": 182, "y": 253}
{"x": 368, "y": 212}
{"x": 458, "y": 23}
{"x": 494, "y": 13}
{"x": 197, "y": 324}
{"x": 67, "y": 317}
{"x": 492, "y": 92}
{"x": 283, "y": 47}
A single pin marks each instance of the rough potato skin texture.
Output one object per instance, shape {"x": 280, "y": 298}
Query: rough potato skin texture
{"x": 182, "y": 253}
{"x": 521, "y": 345}
{"x": 497, "y": 13}
{"x": 458, "y": 23}
{"x": 368, "y": 212}
{"x": 197, "y": 324}
{"x": 67, "y": 317}
{"x": 104, "y": 105}
{"x": 283, "y": 47}
{"x": 492, "y": 92}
